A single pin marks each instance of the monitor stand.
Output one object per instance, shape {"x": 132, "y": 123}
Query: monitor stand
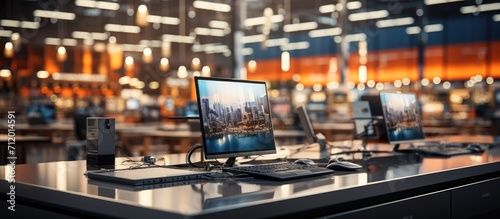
{"x": 230, "y": 162}
{"x": 323, "y": 151}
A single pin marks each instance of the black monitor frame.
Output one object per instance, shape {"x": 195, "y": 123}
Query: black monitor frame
{"x": 269, "y": 145}
{"x": 311, "y": 136}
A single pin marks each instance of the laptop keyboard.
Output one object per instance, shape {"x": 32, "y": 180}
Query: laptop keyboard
{"x": 270, "y": 168}
{"x": 443, "y": 150}
{"x": 280, "y": 171}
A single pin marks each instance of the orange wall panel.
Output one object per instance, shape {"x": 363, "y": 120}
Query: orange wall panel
{"x": 466, "y": 60}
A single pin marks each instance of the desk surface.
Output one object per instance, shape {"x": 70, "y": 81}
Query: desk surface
{"x": 62, "y": 185}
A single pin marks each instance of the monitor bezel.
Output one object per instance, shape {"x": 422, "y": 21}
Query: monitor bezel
{"x": 230, "y": 155}
{"x": 305, "y": 121}
{"x": 384, "y": 111}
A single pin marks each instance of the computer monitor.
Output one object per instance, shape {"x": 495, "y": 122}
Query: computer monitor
{"x": 364, "y": 122}
{"x": 376, "y": 112}
{"x": 306, "y": 125}
{"x": 311, "y": 136}
{"x": 41, "y": 113}
{"x": 151, "y": 113}
{"x": 402, "y": 117}
{"x": 235, "y": 118}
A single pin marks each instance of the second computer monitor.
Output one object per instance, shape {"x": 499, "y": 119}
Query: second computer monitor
{"x": 402, "y": 117}
{"x": 306, "y": 124}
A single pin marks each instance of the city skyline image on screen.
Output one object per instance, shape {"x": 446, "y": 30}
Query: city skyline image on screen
{"x": 235, "y": 118}
{"x": 402, "y": 117}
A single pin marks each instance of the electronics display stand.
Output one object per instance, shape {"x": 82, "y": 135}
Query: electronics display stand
{"x": 369, "y": 127}
{"x": 324, "y": 151}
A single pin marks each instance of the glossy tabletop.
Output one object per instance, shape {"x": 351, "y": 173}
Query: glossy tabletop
{"x": 64, "y": 184}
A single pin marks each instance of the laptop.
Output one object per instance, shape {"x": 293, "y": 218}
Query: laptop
{"x": 145, "y": 176}
{"x": 236, "y": 121}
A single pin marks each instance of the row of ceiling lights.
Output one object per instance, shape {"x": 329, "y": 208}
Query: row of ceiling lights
{"x": 284, "y": 43}
{"x": 397, "y": 83}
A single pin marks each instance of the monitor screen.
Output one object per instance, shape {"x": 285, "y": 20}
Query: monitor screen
{"x": 402, "y": 117}
{"x": 132, "y": 104}
{"x": 41, "y": 113}
{"x": 235, "y": 117}
{"x": 191, "y": 109}
{"x": 306, "y": 124}
{"x": 151, "y": 114}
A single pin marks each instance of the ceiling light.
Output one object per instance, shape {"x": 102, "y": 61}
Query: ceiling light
{"x": 54, "y": 14}
{"x": 413, "y": 30}
{"x": 42, "y": 74}
{"x": 246, "y": 51}
{"x": 129, "y": 60}
{"x": 368, "y": 15}
{"x": 433, "y": 28}
{"x": 355, "y": 37}
{"x": 97, "y": 4}
{"x": 285, "y": 61}
{"x": 182, "y": 72}
{"x": 397, "y": 83}
{"x": 5, "y": 73}
{"x": 276, "y": 42}
{"x": 147, "y": 55}
{"x": 425, "y": 82}
{"x": 205, "y": 71}
{"x": 69, "y": 42}
{"x": 164, "y": 64}
{"x": 327, "y": 8}
{"x": 122, "y": 28}
{"x": 300, "y": 26}
{"x": 353, "y": 5}
{"x": 332, "y": 85}
{"x": 295, "y": 46}
{"x": 9, "y": 23}
{"x": 435, "y": 2}
{"x": 61, "y": 54}
{"x": 29, "y": 25}
{"x": 141, "y": 16}
{"x": 5, "y": 33}
{"x": 52, "y": 41}
{"x": 255, "y": 21}
{"x": 212, "y": 6}
{"x": 252, "y": 39}
{"x": 154, "y": 85}
{"x": 163, "y": 20}
{"x": 480, "y": 8}
{"x": 178, "y": 38}
{"x": 91, "y": 35}
{"x": 107, "y": 5}
{"x": 361, "y": 87}
{"x": 218, "y": 24}
{"x": 325, "y": 32}
{"x": 362, "y": 73}
{"x": 209, "y": 32}
{"x": 496, "y": 17}
{"x": 395, "y": 22}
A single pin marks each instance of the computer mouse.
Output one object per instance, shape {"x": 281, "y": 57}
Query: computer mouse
{"x": 475, "y": 148}
{"x": 304, "y": 162}
{"x": 342, "y": 165}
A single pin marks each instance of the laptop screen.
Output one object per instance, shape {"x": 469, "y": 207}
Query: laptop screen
{"x": 235, "y": 117}
{"x": 402, "y": 117}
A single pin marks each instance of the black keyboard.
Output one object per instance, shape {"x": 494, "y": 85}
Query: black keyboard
{"x": 280, "y": 171}
{"x": 442, "y": 150}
